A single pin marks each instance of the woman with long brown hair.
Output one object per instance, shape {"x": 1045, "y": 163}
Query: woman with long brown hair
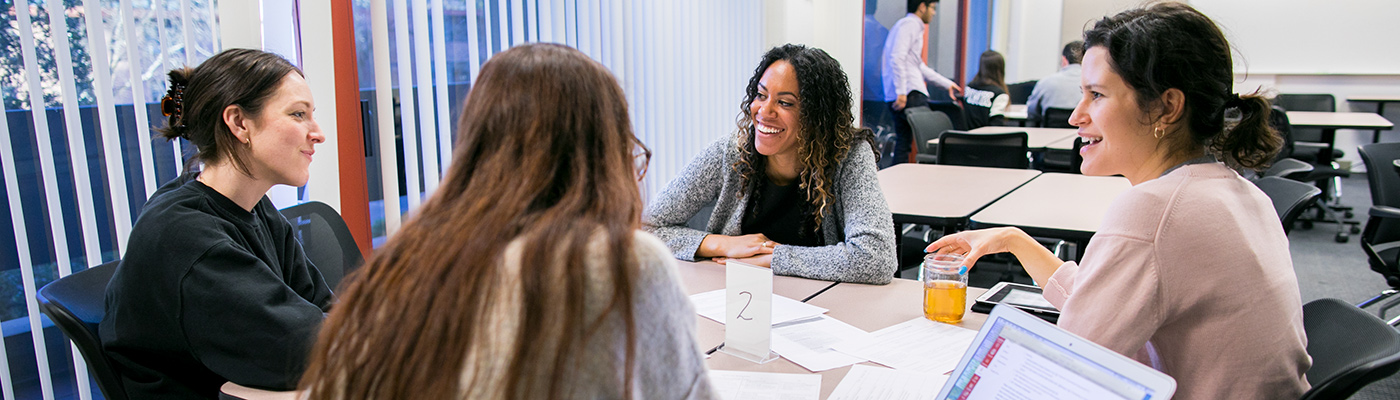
{"x": 985, "y": 100}
{"x": 524, "y": 275}
{"x": 794, "y": 188}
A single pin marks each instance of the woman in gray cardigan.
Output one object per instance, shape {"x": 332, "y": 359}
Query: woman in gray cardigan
{"x": 794, "y": 189}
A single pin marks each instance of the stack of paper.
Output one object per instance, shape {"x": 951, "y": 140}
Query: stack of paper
{"x": 808, "y": 342}
{"x": 917, "y": 345}
{"x": 737, "y": 385}
{"x": 867, "y": 382}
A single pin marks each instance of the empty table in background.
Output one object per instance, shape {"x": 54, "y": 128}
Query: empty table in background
{"x": 1329, "y": 122}
{"x": 944, "y": 196}
{"x": 1016, "y": 112}
{"x": 1062, "y": 206}
{"x": 1380, "y": 101}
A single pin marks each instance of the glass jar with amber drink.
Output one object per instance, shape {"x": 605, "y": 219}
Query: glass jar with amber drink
{"x": 945, "y": 287}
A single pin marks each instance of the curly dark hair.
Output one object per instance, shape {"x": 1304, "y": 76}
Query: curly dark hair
{"x": 827, "y": 132}
{"x": 1171, "y": 45}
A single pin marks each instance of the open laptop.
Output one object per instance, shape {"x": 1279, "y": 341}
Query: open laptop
{"x": 1021, "y": 356}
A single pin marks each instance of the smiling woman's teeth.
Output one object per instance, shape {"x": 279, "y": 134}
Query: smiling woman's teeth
{"x": 766, "y": 129}
{"x": 1088, "y": 141}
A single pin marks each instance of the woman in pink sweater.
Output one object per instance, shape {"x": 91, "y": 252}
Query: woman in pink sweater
{"x": 1190, "y": 272}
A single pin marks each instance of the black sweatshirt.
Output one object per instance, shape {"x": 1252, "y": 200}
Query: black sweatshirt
{"x": 208, "y": 293}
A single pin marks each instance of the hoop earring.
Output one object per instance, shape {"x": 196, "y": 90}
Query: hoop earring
{"x": 1158, "y": 133}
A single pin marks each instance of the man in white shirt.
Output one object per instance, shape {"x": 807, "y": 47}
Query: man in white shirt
{"x": 1060, "y": 90}
{"x": 905, "y": 73}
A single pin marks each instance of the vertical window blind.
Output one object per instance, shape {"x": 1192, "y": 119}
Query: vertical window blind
{"x": 682, "y": 64}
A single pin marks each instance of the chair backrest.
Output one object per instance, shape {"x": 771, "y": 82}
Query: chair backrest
{"x": 1290, "y": 197}
{"x": 1349, "y": 348}
{"x": 1306, "y": 102}
{"x": 1278, "y": 119}
{"x": 1381, "y": 173}
{"x": 1003, "y": 150}
{"x": 1381, "y": 234}
{"x": 1056, "y": 118}
{"x": 76, "y": 304}
{"x": 927, "y": 125}
{"x": 1020, "y": 92}
{"x": 954, "y": 111}
{"x": 326, "y": 240}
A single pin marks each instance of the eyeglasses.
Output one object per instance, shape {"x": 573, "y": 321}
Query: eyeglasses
{"x": 641, "y": 158}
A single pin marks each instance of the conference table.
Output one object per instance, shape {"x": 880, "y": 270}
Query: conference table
{"x": 852, "y": 303}
{"x": 1380, "y": 101}
{"x": 945, "y": 196}
{"x": 897, "y": 302}
{"x": 1329, "y": 122}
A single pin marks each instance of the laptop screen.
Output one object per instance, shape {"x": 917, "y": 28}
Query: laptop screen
{"x": 1013, "y": 362}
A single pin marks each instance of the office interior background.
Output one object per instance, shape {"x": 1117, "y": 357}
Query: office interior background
{"x": 389, "y": 75}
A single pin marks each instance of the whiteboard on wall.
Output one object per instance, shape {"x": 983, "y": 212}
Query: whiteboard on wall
{"x": 1287, "y": 37}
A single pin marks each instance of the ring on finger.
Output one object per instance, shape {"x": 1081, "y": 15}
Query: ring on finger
{"x": 767, "y": 244}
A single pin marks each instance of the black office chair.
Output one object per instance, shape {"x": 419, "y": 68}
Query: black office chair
{"x": 1020, "y": 92}
{"x": 1288, "y": 164}
{"x": 1056, "y": 118}
{"x": 326, "y": 240}
{"x": 1290, "y": 197}
{"x": 76, "y": 304}
{"x": 953, "y": 110}
{"x": 1002, "y": 150}
{"x": 927, "y": 125}
{"x": 1066, "y": 161}
{"x": 1349, "y": 349}
{"x": 1381, "y": 238}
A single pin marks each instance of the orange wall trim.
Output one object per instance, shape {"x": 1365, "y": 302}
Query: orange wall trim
{"x": 354, "y": 192}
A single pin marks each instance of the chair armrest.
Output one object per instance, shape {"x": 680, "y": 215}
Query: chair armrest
{"x": 1385, "y": 212}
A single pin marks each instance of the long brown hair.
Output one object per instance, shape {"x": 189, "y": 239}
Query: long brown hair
{"x": 545, "y": 157}
{"x": 991, "y": 70}
{"x": 827, "y": 133}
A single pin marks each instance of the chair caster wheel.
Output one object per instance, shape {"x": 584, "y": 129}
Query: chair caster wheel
{"x": 1342, "y": 237}
{"x": 1355, "y": 230}
{"x": 1350, "y": 215}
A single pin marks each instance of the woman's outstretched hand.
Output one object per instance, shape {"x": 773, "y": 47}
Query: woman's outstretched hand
{"x": 975, "y": 244}
{"x": 1039, "y": 262}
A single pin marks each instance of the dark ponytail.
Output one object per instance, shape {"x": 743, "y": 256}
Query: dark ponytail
{"x": 1251, "y": 143}
{"x": 1172, "y": 46}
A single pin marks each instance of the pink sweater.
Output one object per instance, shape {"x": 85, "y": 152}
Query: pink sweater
{"x": 1190, "y": 274}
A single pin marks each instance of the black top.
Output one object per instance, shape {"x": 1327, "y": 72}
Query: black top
{"x": 208, "y": 293}
{"x": 977, "y": 105}
{"x": 782, "y": 213}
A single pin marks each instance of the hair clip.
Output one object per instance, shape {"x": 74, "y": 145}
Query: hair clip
{"x": 173, "y": 104}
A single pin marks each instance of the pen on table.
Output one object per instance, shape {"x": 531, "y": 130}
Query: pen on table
{"x": 713, "y": 349}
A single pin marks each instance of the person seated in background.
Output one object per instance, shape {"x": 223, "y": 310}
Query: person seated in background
{"x": 524, "y": 276}
{"x": 1059, "y": 90}
{"x": 1190, "y": 271}
{"x": 794, "y": 187}
{"x": 214, "y": 286}
{"x": 985, "y": 99}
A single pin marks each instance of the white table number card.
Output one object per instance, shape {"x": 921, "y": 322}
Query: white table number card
{"x": 748, "y": 312}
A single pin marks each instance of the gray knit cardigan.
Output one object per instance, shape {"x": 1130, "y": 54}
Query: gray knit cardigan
{"x": 857, "y": 228}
